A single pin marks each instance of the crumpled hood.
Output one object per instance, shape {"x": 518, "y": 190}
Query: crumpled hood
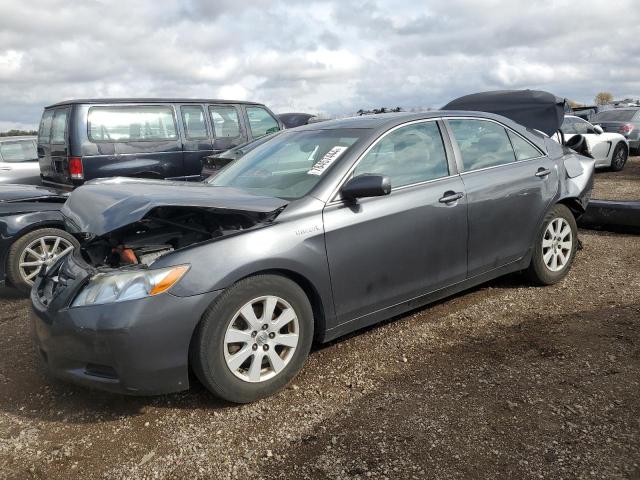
{"x": 100, "y": 207}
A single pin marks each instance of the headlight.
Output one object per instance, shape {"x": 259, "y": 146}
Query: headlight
{"x": 121, "y": 286}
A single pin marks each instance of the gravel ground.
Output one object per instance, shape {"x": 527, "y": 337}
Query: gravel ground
{"x": 624, "y": 185}
{"x": 504, "y": 381}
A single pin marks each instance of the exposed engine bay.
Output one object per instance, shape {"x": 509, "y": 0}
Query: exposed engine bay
{"x": 164, "y": 230}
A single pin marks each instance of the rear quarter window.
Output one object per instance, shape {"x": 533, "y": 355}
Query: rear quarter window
{"x": 523, "y": 149}
{"x": 144, "y": 123}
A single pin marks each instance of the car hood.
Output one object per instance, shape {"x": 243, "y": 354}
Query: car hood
{"x": 100, "y": 207}
{"x": 25, "y": 193}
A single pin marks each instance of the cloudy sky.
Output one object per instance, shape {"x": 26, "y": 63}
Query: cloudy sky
{"x": 328, "y": 56}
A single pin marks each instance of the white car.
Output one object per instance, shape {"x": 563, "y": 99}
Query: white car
{"x": 608, "y": 149}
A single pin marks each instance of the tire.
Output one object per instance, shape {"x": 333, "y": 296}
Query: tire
{"x": 619, "y": 157}
{"x": 16, "y": 274}
{"x": 213, "y": 355}
{"x": 541, "y": 270}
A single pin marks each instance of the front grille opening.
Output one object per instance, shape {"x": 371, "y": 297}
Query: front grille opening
{"x": 102, "y": 371}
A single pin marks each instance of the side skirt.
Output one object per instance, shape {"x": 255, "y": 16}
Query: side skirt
{"x": 417, "y": 302}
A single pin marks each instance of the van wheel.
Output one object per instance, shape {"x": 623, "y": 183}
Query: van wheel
{"x": 253, "y": 339}
{"x": 555, "y": 247}
{"x": 30, "y": 252}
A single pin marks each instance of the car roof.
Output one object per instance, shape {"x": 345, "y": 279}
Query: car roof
{"x": 149, "y": 100}
{"x": 371, "y": 121}
{"x": 389, "y": 120}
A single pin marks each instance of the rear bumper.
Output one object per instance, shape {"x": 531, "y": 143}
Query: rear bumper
{"x": 62, "y": 186}
{"x": 138, "y": 347}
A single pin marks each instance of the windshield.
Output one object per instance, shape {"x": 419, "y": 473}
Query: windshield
{"x": 616, "y": 115}
{"x": 18, "y": 151}
{"x": 290, "y": 165}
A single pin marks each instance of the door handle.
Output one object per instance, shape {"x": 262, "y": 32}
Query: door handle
{"x": 5, "y": 169}
{"x": 542, "y": 172}
{"x": 451, "y": 196}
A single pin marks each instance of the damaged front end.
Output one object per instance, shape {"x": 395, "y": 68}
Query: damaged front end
{"x": 164, "y": 230}
{"x": 125, "y": 222}
{"x": 124, "y": 228}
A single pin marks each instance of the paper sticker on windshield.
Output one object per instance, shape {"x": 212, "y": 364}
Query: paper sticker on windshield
{"x": 326, "y": 161}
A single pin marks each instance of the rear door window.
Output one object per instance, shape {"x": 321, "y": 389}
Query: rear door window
{"x": 59, "y": 126}
{"x": 18, "y": 151}
{"x": 144, "y": 123}
{"x": 44, "y": 132}
{"x": 482, "y": 143}
{"x": 261, "y": 122}
{"x": 195, "y": 126}
{"x": 225, "y": 121}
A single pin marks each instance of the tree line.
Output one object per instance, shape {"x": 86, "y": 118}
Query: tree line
{"x": 16, "y": 133}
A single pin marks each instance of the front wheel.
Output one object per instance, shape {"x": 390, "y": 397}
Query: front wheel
{"x": 253, "y": 339}
{"x": 619, "y": 157}
{"x": 555, "y": 247}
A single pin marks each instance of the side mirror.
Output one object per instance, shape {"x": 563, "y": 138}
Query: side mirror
{"x": 366, "y": 186}
{"x": 598, "y": 129}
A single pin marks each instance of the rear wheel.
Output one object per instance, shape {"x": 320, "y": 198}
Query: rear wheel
{"x": 619, "y": 157}
{"x": 253, "y": 339}
{"x": 555, "y": 247}
{"x": 32, "y": 251}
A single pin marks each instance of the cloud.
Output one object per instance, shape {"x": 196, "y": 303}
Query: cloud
{"x": 326, "y": 56}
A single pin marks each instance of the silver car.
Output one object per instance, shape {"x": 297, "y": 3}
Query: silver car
{"x": 19, "y": 161}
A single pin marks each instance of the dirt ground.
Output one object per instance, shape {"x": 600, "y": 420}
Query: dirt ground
{"x": 504, "y": 381}
{"x": 624, "y": 185}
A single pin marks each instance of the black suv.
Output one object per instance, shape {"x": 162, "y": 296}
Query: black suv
{"x": 159, "y": 138}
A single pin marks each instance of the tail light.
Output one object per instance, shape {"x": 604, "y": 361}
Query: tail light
{"x": 75, "y": 168}
{"x": 625, "y": 129}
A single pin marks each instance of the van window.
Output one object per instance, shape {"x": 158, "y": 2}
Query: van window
{"x": 482, "y": 143}
{"x": 18, "y": 151}
{"x": 59, "y": 126}
{"x": 44, "y": 133}
{"x": 225, "y": 121}
{"x": 261, "y": 122}
{"x": 132, "y": 124}
{"x": 195, "y": 126}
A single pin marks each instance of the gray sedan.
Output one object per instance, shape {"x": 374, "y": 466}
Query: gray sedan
{"x": 318, "y": 232}
{"x": 19, "y": 161}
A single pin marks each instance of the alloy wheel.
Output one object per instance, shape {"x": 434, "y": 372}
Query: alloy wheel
{"x": 557, "y": 244}
{"x": 619, "y": 158}
{"x": 261, "y": 339}
{"x": 45, "y": 250}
